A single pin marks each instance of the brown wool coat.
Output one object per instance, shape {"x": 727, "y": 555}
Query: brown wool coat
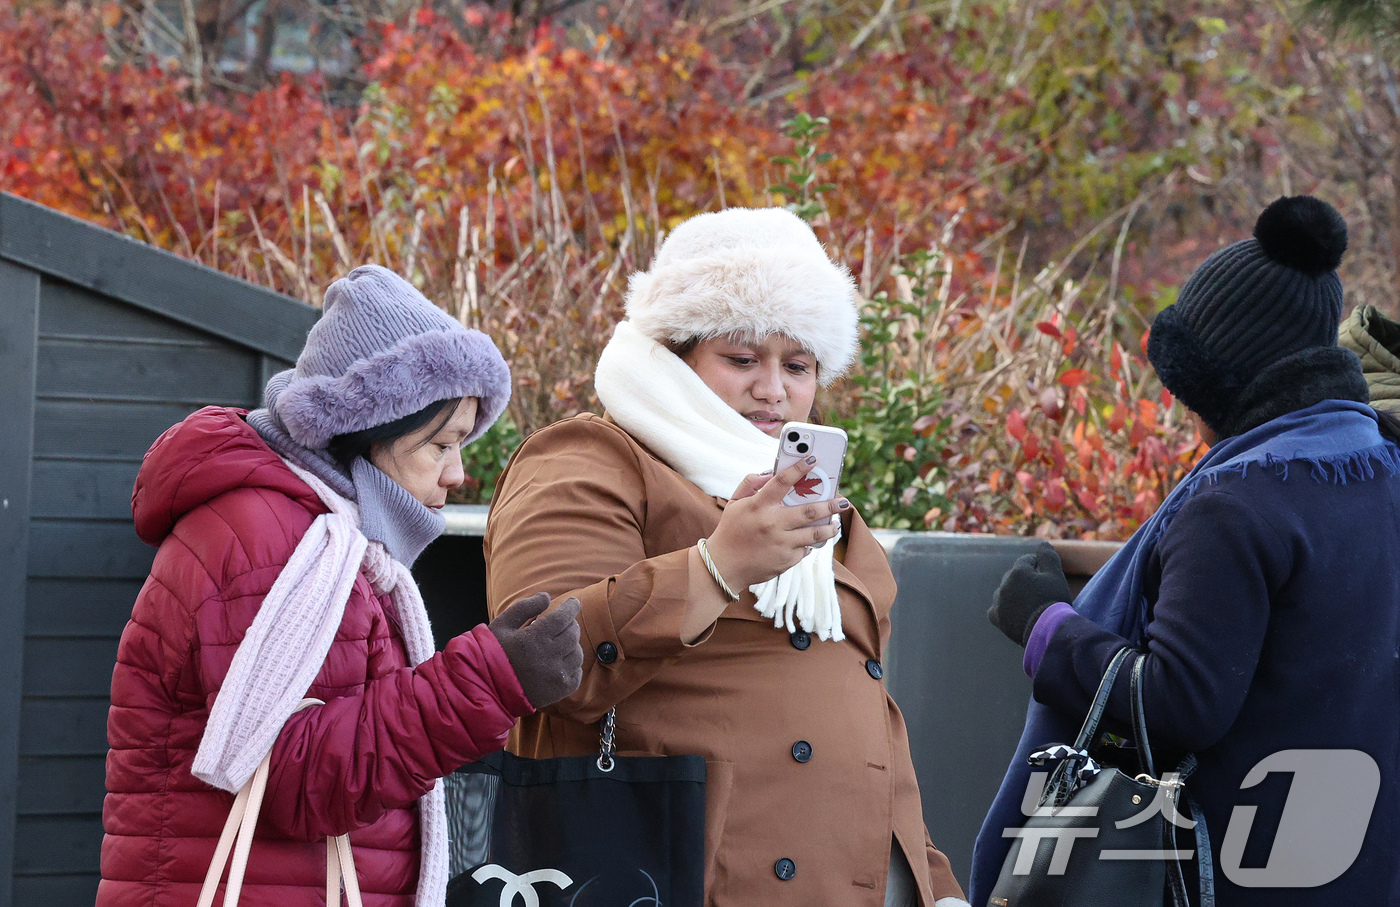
{"x": 585, "y": 510}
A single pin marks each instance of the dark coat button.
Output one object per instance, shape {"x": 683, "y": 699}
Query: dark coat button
{"x": 607, "y": 653}
{"x": 785, "y": 869}
{"x": 873, "y": 668}
{"x": 802, "y": 751}
{"x": 801, "y": 639}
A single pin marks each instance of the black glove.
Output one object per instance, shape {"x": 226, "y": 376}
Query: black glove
{"x": 546, "y": 654}
{"x": 1034, "y": 583}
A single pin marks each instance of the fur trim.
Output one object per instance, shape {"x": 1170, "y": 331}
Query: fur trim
{"x": 416, "y": 371}
{"x": 1190, "y": 371}
{"x": 1296, "y": 382}
{"x": 750, "y": 273}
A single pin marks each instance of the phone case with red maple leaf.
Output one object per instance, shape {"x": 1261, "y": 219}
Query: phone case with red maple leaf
{"x": 800, "y": 440}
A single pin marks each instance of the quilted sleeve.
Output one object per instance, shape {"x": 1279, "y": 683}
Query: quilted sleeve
{"x": 341, "y": 766}
{"x": 380, "y": 742}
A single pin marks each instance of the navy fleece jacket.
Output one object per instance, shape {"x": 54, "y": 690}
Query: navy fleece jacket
{"x": 1275, "y": 625}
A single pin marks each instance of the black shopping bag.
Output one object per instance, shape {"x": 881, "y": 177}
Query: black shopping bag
{"x": 587, "y": 831}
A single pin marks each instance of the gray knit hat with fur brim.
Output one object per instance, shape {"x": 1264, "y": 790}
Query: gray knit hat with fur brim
{"x": 382, "y": 351}
{"x": 751, "y": 273}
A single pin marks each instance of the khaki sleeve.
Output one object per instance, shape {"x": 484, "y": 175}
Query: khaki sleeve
{"x": 567, "y": 519}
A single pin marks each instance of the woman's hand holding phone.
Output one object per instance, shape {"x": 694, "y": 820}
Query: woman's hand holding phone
{"x": 759, "y": 536}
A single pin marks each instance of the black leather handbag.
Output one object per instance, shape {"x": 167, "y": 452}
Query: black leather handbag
{"x": 1098, "y": 836}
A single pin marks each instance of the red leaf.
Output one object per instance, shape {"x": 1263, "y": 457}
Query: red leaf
{"x": 1074, "y": 377}
{"x": 1118, "y": 419}
{"x": 1016, "y": 425}
{"x": 1048, "y": 329}
{"x": 1031, "y": 446}
{"x": 1055, "y": 497}
{"x": 1166, "y": 398}
{"x": 1143, "y": 342}
{"x": 1087, "y": 500}
{"x": 1116, "y": 359}
{"x": 807, "y": 486}
{"x": 923, "y": 425}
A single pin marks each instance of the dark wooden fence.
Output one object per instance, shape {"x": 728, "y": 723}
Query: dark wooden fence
{"x": 104, "y": 343}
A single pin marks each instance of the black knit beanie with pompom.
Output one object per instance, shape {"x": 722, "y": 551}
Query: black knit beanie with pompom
{"x": 1251, "y": 305}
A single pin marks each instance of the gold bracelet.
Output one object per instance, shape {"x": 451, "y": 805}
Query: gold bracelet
{"x": 714, "y": 571}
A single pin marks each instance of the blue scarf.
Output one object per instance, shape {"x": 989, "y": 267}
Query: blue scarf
{"x": 1332, "y": 441}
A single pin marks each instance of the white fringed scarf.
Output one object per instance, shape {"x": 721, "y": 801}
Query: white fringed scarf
{"x": 660, "y": 401}
{"x": 287, "y": 644}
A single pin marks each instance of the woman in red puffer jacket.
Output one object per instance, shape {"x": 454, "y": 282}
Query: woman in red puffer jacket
{"x": 384, "y": 396}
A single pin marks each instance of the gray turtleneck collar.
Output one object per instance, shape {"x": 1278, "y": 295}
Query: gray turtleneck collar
{"x": 388, "y": 513}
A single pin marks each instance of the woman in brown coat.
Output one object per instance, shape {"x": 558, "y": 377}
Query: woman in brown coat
{"x": 811, "y": 794}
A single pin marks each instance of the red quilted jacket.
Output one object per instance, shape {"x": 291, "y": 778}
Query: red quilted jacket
{"x": 226, "y": 514}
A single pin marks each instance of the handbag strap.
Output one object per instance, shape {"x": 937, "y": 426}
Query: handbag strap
{"x": 1090, "y": 729}
{"x": 1144, "y": 749}
{"x": 1205, "y": 863}
{"x": 237, "y": 837}
{"x": 607, "y": 740}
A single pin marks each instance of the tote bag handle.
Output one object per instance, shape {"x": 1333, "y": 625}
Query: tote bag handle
{"x": 237, "y": 837}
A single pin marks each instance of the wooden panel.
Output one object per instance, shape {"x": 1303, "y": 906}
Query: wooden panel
{"x": 194, "y": 374}
{"x": 63, "y": 727}
{"x": 68, "y": 310}
{"x": 71, "y": 428}
{"x": 62, "y": 786}
{"x": 267, "y": 367}
{"x": 69, "y": 667}
{"x": 157, "y": 281}
{"x": 74, "y": 890}
{"x": 82, "y": 489}
{"x": 79, "y": 607}
{"x": 95, "y": 548}
{"x": 19, "y": 325}
{"x": 57, "y": 844}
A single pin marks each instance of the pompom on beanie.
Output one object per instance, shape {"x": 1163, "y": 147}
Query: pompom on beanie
{"x": 382, "y": 351}
{"x": 751, "y": 273}
{"x": 1251, "y": 305}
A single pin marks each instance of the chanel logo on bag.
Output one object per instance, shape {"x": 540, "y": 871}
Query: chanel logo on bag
{"x": 521, "y": 886}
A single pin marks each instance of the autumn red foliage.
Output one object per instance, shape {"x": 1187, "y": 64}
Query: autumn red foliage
{"x": 1045, "y": 161}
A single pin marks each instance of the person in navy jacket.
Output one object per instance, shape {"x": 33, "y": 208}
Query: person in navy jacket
{"x": 1265, "y": 592}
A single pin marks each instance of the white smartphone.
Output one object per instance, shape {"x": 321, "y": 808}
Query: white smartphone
{"x": 800, "y": 440}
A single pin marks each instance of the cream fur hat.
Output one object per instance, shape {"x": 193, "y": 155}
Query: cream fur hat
{"x": 751, "y": 272}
